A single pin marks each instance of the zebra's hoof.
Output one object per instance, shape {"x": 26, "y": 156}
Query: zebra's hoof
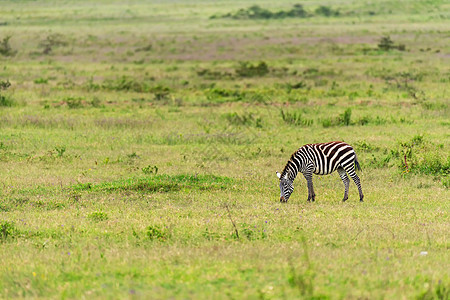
{"x": 345, "y": 199}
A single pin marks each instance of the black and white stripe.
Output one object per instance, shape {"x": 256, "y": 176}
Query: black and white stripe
{"x": 320, "y": 159}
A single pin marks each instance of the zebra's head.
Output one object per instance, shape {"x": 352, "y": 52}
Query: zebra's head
{"x": 286, "y": 187}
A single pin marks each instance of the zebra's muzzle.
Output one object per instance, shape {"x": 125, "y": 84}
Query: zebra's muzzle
{"x": 282, "y": 199}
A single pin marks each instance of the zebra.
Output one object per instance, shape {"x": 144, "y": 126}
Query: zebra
{"x": 320, "y": 159}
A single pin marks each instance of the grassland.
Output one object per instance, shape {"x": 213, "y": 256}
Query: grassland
{"x": 139, "y": 144}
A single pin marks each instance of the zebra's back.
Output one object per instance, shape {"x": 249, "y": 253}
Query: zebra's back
{"x": 327, "y": 157}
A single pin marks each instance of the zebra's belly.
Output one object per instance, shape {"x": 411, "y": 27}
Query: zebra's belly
{"x": 319, "y": 171}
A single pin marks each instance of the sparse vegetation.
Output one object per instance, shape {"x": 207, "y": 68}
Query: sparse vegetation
{"x": 51, "y": 42}
{"x": 295, "y": 118}
{"x": 327, "y": 11}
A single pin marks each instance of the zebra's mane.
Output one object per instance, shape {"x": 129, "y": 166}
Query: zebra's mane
{"x": 285, "y": 170}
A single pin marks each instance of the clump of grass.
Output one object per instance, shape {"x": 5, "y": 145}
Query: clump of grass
{"x": 5, "y": 100}
{"x": 60, "y": 151}
{"x": 343, "y": 119}
{"x": 150, "y": 170}
{"x": 146, "y": 48}
{"x": 214, "y": 74}
{"x": 125, "y": 83}
{"x": 245, "y": 119}
{"x": 156, "y": 233}
{"x": 295, "y": 118}
{"x": 41, "y": 81}
{"x": 364, "y": 146}
{"x": 98, "y": 216}
{"x": 74, "y": 196}
{"x": 210, "y": 236}
{"x": 296, "y": 86}
{"x": 222, "y": 94}
{"x": 7, "y": 230}
{"x": 73, "y": 102}
{"x": 252, "y": 232}
{"x": 160, "y": 92}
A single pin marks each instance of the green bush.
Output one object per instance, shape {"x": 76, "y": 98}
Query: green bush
{"x": 98, "y": 216}
{"x": 5, "y": 47}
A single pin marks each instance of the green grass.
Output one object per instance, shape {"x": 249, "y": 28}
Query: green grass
{"x": 138, "y": 153}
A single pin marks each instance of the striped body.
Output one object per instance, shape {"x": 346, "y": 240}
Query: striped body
{"x": 320, "y": 159}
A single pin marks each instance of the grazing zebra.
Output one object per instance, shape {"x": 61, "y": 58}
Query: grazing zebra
{"x": 320, "y": 159}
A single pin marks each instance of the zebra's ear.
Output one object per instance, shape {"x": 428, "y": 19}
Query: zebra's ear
{"x": 279, "y": 175}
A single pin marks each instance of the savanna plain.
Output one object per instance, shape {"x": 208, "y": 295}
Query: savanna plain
{"x": 139, "y": 142}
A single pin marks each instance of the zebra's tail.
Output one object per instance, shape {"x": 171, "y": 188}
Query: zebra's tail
{"x": 358, "y": 167}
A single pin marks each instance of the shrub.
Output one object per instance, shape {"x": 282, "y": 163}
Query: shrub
{"x": 5, "y": 47}
{"x": 387, "y": 44}
{"x": 160, "y": 92}
{"x": 52, "y": 41}
{"x": 247, "y": 69}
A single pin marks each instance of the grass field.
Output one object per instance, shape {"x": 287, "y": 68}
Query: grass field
{"x": 139, "y": 143}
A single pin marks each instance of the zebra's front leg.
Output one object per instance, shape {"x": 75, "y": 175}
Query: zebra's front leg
{"x": 311, "y": 194}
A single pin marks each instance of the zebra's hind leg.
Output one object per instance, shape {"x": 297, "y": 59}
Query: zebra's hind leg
{"x": 357, "y": 182}
{"x": 345, "y": 180}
